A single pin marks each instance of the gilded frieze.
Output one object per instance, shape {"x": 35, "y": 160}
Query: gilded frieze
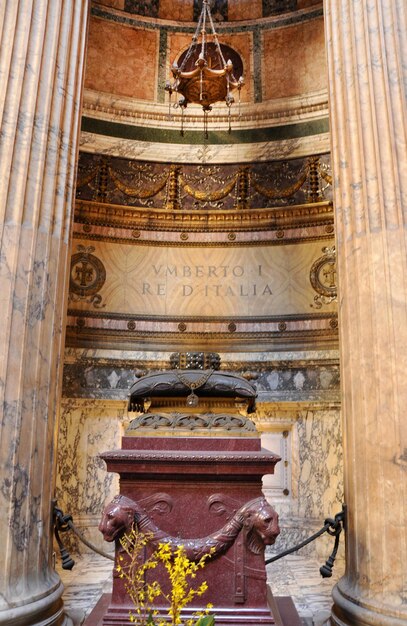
{"x": 104, "y": 222}
{"x": 203, "y": 187}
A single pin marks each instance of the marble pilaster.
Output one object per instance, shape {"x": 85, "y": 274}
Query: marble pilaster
{"x": 41, "y": 66}
{"x": 366, "y": 43}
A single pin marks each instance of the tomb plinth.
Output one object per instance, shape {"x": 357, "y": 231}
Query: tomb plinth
{"x": 191, "y": 468}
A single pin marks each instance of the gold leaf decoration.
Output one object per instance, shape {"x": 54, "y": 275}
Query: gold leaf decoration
{"x": 85, "y": 180}
{"x": 324, "y": 175}
{"x": 209, "y": 197}
{"x": 272, "y": 194}
{"x": 138, "y": 192}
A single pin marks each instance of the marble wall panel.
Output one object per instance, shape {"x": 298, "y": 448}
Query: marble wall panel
{"x": 318, "y": 383}
{"x": 190, "y": 152}
{"x": 172, "y": 281}
{"x": 278, "y": 61}
{"x": 294, "y": 60}
{"x": 319, "y": 472}
{"x": 179, "y": 10}
{"x": 177, "y": 43}
{"x": 119, "y": 59}
{"x": 90, "y": 378}
{"x": 242, "y": 43}
{"x": 83, "y": 486}
{"x": 245, "y": 10}
{"x": 93, "y": 380}
{"x": 316, "y": 466}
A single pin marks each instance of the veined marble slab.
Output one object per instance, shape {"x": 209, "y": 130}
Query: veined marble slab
{"x": 204, "y": 153}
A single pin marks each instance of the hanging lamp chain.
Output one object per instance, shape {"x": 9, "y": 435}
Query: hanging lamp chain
{"x": 203, "y": 76}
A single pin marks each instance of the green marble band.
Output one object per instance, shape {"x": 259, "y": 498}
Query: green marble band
{"x": 158, "y": 135}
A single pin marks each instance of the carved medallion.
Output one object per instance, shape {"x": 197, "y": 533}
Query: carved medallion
{"x": 88, "y": 275}
{"x": 323, "y": 278}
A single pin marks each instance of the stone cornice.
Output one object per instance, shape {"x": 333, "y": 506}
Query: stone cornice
{"x": 213, "y": 221}
{"x": 270, "y": 113}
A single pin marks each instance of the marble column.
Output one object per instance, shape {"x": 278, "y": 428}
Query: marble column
{"x": 367, "y": 59}
{"x": 41, "y": 66}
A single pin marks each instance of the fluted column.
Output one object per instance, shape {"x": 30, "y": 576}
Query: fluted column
{"x": 366, "y": 44}
{"x": 41, "y": 66}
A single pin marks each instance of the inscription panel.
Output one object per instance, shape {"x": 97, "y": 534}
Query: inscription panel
{"x": 250, "y": 281}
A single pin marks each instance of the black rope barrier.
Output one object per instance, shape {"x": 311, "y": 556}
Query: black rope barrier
{"x": 332, "y": 526}
{"x": 63, "y": 523}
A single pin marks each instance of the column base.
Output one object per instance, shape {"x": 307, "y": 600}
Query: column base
{"x": 48, "y": 610}
{"x": 349, "y": 611}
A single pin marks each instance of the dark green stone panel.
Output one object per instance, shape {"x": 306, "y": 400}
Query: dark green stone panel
{"x": 151, "y": 134}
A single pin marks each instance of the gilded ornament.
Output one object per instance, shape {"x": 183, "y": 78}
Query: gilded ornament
{"x": 274, "y": 194}
{"x": 239, "y": 185}
{"x": 204, "y": 196}
{"x": 323, "y": 278}
{"x": 138, "y": 192}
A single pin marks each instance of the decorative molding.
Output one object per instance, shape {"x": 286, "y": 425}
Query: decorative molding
{"x": 195, "y": 424}
{"x": 188, "y": 240}
{"x": 295, "y": 145}
{"x": 273, "y": 320}
{"x": 219, "y": 221}
{"x": 119, "y": 108}
{"x": 150, "y": 340}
